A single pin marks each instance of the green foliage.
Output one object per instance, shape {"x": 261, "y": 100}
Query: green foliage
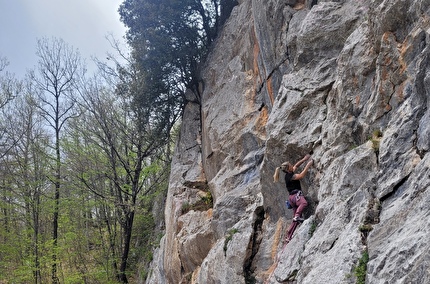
{"x": 114, "y": 156}
{"x": 169, "y": 40}
{"x": 312, "y": 228}
{"x": 186, "y": 207}
{"x": 361, "y": 268}
{"x": 229, "y": 237}
{"x": 144, "y": 235}
{"x": 352, "y": 147}
{"x": 167, "y": 44}
{"x": 365, "y": 228}
{"x": 208, "y": 199}
{"x": 377, "y": 133}
{"x": 376, "y": 139}
{"x": 204, "y": 203}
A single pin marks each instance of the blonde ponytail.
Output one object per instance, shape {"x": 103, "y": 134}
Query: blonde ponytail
{"x": 276, "y": 175}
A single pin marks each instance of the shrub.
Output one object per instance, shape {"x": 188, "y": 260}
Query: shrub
{"x": 205, "y": 203}
{"x": 376, "y": 139}
{"x": 312, "y": 229}
{"x": 229, "y": 237}
{"x": 365, "y": 228}
{"x": 361, "y": 269}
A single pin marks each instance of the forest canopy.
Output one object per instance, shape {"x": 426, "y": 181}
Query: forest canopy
{"x": 170, "y": 38}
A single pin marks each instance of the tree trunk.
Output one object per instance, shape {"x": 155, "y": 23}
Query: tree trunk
{"x": 55, "y": 279}
{"x": 112, "y": 237}
{"x": 37, "y": 274}
{"x": 128, "y": 228}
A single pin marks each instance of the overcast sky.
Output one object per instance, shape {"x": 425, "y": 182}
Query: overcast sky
{"x": 82, "y": 24}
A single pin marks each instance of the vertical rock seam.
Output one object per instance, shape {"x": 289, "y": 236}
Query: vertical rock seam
{"x": 254, "y": 245}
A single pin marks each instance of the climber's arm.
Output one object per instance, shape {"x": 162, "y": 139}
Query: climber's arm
{"x": 305, "y": 158}
{"x": 305, "y": 170}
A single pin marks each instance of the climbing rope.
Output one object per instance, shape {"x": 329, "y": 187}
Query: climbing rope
{"x": 288, "y": 238}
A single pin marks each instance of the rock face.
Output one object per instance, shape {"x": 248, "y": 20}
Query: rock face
{"x": 347, "y": 80}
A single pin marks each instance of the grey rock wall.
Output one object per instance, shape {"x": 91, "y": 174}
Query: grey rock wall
{"x": 348, "y": 80}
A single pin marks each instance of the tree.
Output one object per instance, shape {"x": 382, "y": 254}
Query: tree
{"x": 9, "y": 89}
{"x": 126, "y": 145}
{"x": 9, "y": 86}
{"x": 60, "y": 69}
{"x": 169, "y": 40}
{"x": 23, "y": 170}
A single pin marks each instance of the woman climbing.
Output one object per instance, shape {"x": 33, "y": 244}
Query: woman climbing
{"x": 292, "y": 180}
{"x": 296, "y": 199}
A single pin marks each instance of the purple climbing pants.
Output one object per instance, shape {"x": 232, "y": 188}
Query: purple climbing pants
{"x": 298, "y": 202}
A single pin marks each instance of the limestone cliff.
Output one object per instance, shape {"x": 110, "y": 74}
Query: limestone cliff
{"x": 348, "y": 80}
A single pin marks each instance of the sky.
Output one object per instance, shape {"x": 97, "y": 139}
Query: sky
{"x": 82, "y": 24}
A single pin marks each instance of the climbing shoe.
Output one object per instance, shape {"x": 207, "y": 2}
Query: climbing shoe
{"x": 298, "y": 219}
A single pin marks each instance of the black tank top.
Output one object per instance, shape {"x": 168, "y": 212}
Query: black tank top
{"x": 290, "y": 183}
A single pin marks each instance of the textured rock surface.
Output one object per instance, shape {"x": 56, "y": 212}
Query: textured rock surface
{"x": 348, "y": 80}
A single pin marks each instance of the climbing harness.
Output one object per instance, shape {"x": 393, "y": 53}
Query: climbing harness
{"x": 298, "y": 194}
{"x": 288, "y": 238}
{"x": 297, "y": 198}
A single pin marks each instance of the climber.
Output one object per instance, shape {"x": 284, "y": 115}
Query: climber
{"x": 292, "y": 180}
